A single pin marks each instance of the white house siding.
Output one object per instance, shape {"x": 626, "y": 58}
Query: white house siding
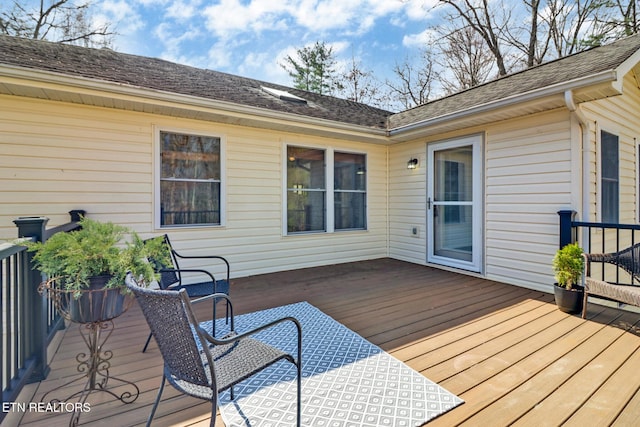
{"x": 55, "y": 157}
{"x": 407, "y": 202}
{"x": 619, "y": 115}
{"x": 527, "y": 180}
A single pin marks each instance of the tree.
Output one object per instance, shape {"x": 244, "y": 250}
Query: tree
{"x": 619, "y": 20}
{"x": 359, "y": 85}
{"x": 414, "y": 82}
{"x": 571, "y": 22}
{"x": 491, "y": 26}
{"x": 313, "y": 68}
{"x": 64, "y": 21}
{"x": 465, "y": 60}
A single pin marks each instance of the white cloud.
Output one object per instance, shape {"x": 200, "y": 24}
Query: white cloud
{"x": 220, "y": 55}
{"x": 230, "y": 17}
{"x": 183, "y": 10}
{"x": 173, "y": 38}
{"x": 252, "y": 37}
{"x": 148, "y": 3}
{"x": 420, "y": 10}
{"x": 418, "y": 40}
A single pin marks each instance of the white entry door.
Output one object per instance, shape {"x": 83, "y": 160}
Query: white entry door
{"x": 454, "y": 203}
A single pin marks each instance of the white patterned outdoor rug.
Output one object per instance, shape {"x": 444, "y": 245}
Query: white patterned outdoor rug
{"x": 346, "y": 380}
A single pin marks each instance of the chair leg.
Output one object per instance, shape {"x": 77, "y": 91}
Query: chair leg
{"x": 155, "y": 404}
{"x": 144, "y": 349}
{"x": 584, "y": 305}
{"x": 213, "y": 327}
{"x": 299, "y": 415}
{"x": 214, "y": 409}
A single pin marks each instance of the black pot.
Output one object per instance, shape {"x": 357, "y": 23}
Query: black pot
{"x": 569, "y": 300}
{"x": 96, "y": 304}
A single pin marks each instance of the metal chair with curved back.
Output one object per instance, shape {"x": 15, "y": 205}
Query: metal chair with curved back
{"x": 173, "y": 277}
{"x": 217, "y": 364}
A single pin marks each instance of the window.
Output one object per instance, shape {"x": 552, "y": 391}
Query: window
{"x": 349, "y": 175}
{"x": 610, "y": 188}
{"x": 326, "y": 190}
{"x": 190, "y": 183}
{"x": 306, "y": 190}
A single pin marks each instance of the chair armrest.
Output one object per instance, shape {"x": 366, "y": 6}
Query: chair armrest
{"x": 187, "y": 270}
{"x": 203, "y": 257}
{"x": 586, "y": 267}
{"x": 214, "y": 297}
{"x": 234, "y": 338}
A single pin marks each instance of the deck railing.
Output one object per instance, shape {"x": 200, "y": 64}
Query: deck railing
{"x": 597, "y": 237}
{"x": 29, "y": 320}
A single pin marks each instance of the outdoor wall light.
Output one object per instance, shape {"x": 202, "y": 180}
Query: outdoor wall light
{"x": 412, "y": 164}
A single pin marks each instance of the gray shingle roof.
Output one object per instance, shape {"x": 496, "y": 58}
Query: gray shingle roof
{"x": 562, "y": 70}
{"x": 157, "y": 74}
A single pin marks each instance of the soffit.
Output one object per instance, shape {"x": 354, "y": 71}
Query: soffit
{"x": 172, "y": 105}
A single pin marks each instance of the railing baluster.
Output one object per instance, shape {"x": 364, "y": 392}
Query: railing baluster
{"x": 624, "y": 235}
{"x": 28, "y": 322}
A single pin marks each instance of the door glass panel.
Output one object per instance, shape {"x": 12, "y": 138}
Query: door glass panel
{"x": 453, "y": 203}
{"x": 452, "y": 238}
{"x": 454, "y": 169}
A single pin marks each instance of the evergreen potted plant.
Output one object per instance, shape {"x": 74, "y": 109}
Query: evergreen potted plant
{"x": 87, "y": 267}
{"x": 568, "y": 265}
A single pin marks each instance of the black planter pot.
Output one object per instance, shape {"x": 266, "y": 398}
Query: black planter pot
{"x": 569, "y": 300}
{"x": 96, "y": 304}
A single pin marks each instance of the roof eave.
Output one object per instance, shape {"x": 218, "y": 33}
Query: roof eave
{"x": 610, "y": 77}
{"x": 218, "y": 110}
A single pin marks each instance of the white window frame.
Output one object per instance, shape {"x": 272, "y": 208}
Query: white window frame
{"x": 476, "y": 141}
{"x": 329, "y": 189}
{"x": 158, "y": 174}
{"x": 615, "y": 132}
{"x": 366, "y": 190}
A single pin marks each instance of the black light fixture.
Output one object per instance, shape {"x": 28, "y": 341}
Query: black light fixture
{"x": 412, "y": 164}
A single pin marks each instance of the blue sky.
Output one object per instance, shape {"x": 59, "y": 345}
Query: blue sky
{"x": 252, "y": 37}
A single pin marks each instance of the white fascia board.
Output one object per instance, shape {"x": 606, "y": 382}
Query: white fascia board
{"x": 625, "y": 68}
{"x": 603, "y": 77}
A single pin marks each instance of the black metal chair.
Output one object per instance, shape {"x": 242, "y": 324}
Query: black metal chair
{"x": 218, "y": 364}
{"x": 171, "y": 277}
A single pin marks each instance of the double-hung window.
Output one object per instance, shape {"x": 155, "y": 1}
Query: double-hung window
{"x": 190, "y": 180}
{"x": 610, "y": 178}
{"x": 306, "y": 190}
{"x": 350, "y": 191}
{"x": 326, "y": 190}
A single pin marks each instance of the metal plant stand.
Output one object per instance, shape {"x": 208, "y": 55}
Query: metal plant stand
{"x": 93, "y": 311}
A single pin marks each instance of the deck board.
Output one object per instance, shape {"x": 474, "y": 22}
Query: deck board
{"x": 507, "y": 351}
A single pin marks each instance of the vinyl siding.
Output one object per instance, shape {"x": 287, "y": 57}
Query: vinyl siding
{"x": 527, "y": 180}
{"x": 621, "y": 116}
{"x": 407, "y": 202}
{"x": 55, "y": 157}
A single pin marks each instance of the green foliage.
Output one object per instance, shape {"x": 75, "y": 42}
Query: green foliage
{"x": 314, "y": 69}
{"x": 98, "y": 248}
{"x": 568, "y": 264}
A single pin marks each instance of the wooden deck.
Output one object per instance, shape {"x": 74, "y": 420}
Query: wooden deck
{"x": 508, "y": 352}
